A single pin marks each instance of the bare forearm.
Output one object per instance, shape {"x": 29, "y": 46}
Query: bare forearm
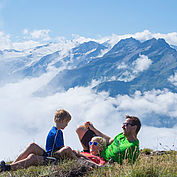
{"x": 99, "y": 133}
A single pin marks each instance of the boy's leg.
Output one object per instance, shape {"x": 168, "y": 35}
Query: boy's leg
{"x": 31, "y": 149}
{"x": 65, "y": 152}
{"x": 85, "y": 135}
{"x": 31, "y": 160}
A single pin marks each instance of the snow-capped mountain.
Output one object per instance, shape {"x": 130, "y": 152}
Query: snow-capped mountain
{"x": 15, "y": 65}
{"x": 129, "y": 66}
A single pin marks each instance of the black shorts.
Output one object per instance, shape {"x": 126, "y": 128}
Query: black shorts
{"x": 50, "y": 154}
{"x": 89, "y": 134}
{"x": 51, "y": 158}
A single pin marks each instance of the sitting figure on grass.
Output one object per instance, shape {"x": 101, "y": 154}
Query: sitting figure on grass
{"x": 96, "y": 145}
{"x": 35, "y": 155}
{"x": 90, "y": 159}
{"x": 124, "y": 146}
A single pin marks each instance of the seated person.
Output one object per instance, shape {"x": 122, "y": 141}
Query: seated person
{"x": 96, "y": 145}
{"x": 35, "y": 155}
{"x": 124, "y": 146}
{"x": 92, "y": 158}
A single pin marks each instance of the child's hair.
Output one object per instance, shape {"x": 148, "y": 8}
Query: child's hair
{"x": 100, "y": 140}
{"x": 61, "y": 115}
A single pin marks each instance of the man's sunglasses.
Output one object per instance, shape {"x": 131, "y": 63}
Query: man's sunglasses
{"x": 93, "y": 143}
{"x": 126, "y": 124}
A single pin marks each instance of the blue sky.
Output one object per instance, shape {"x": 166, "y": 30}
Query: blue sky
{"x": 89, "y": 18}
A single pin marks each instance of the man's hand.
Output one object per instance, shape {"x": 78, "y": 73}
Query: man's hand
{"x": 97, "y": 132}
{"x": 89, "y": 125}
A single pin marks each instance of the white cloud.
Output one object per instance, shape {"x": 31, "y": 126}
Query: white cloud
{"x": 26, "y": 118}
{"x": 40, "y": 34}
{"x": 130, "y": 71}
{"x": 170, "y": 38}
{"x": 114, "y": 39}
{"x": 81, "y": 39}
{"x": 160, "y": 102}
{"x": 142, "y": 36}
{"x": 158, "y": 138}
{"x": 141, "y": 64}
{"x": 25, "y": 45}
{"x": 7, "y": 43}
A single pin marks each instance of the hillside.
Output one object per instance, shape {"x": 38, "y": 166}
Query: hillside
{"x": 153, "y": 164}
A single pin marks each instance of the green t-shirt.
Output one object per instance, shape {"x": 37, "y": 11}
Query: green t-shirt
{"x": 121, "y": 149}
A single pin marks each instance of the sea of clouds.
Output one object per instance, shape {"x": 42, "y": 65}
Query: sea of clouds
{"x": 27, "y": 118}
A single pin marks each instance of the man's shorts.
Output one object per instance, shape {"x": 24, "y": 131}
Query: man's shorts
{"x": 89, "y": 134}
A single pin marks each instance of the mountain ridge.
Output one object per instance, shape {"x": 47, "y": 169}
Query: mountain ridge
{"x": 162, "y": 57}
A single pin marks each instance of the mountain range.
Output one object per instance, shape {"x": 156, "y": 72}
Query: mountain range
{"x": 129, "y": 66}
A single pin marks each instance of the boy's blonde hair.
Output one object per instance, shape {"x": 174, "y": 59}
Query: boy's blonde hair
{"x": 61, "y": 115}
{"x": 100, "y": 140}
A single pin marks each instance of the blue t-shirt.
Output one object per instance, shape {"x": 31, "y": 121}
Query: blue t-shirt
{"x": 54, "y": 140}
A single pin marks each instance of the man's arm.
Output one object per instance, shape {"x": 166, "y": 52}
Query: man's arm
{"x": 110, "y": 141}
{"x": 97, "y": 132}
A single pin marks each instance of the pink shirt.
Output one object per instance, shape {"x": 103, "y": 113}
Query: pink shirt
{"x": 98, "y": 160}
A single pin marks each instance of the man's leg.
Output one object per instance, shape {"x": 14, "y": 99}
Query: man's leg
{"x": 85, "y": 135}
{"x": 31, "y": 149}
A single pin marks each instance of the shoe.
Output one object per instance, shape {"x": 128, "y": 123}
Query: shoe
{"x": 4, "y": 166}
{"x": 49, "y": 160}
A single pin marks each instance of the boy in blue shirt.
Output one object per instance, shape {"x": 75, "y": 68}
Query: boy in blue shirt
{"x": 35, "y": 155}
{"x": 55, "y": 139}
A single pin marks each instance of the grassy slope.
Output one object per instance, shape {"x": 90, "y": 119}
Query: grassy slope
{"x": 145, "y": 166}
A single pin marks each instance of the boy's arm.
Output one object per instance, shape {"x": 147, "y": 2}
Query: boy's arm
{"x": 97, "y": 132}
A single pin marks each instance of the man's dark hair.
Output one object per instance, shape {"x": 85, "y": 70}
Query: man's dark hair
{"x": 135, "y": 121}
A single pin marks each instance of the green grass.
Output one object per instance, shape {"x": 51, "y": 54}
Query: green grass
{"x": 145, "y": 166}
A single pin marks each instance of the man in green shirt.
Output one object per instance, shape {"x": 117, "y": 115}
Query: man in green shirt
{"x": 124, "y": 146}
